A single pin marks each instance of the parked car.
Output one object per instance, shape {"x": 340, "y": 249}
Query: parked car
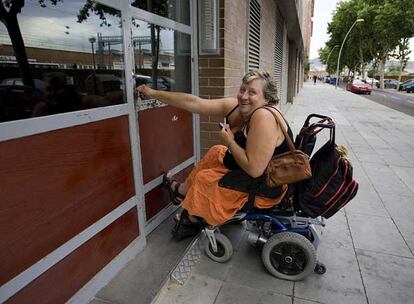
{"x": 371, "y": 81}
{"x": 39, "y": 84}
{"x": 358, "y": 86}
{"x": 389, "y": 84}
{"x": 332, "y": 80}
{"x": 410, "y": 88}
{"x": 327, "y": 79}
{"x": 403, "y": 85}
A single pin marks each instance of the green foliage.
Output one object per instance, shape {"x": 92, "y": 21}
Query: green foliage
{"x": 99, "y": 10}
{"x": 387, "y": 23}
{"x": 329, "y": 57}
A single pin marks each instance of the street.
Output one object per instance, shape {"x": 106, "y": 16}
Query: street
{"x": 400, "y": 101}
{"x": 403, "y": 102}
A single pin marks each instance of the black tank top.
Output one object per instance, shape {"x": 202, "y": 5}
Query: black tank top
{"x": 241, "y": 140}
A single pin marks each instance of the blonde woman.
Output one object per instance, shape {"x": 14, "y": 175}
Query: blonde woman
{"x": 221, "y": 182}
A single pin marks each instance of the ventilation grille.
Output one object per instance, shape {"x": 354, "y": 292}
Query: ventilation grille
{"x": 279, "y": 51}
{"x": 254, "y": 35}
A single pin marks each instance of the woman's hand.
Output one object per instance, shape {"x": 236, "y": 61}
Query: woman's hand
{"x": 226, "y": 136}
{"x": 144, "y": 90}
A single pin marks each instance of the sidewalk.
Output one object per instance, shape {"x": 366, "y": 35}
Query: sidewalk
{"x": 367, "y": 247}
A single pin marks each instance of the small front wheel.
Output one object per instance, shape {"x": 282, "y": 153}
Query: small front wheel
{"x": 224, "y": 249}
{"x": 320, "y": 268}
{"x": 289, "y": 256}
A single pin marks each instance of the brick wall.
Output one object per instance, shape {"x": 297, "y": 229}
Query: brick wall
{"x": 220, "y": 75}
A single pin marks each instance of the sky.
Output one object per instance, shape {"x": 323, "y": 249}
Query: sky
{"x": 322, "y": 16}
{"x": 56, "y": 27}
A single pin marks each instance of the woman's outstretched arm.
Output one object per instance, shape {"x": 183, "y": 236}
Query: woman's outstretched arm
{"x": 191, "y": 103}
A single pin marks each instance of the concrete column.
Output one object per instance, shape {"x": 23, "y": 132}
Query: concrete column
{"x": 291, "y": 71}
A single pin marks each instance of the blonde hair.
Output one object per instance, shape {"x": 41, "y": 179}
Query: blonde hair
{"x": 269, "y": 85}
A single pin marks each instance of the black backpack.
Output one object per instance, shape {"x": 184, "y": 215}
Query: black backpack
{"x": 331, "y": 186}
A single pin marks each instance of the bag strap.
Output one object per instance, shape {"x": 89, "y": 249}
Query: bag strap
{"x": 287, "y": 137}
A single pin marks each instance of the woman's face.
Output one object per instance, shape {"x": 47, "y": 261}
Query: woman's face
{"x": 250, "y": 97}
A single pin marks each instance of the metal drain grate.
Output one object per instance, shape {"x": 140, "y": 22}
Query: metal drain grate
{"x": 182, "y": 271}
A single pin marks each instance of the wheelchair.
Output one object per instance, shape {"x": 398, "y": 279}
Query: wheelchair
{"x": 288, "y": 240}
{"x": 287, "y": 236}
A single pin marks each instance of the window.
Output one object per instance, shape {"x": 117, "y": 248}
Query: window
{"x": 253, "y": 59}
{"x": 278, "y": 61}
{"x": 162, "y": 58}
{"x": 177, "y": 10}
{"x": 72, "y": 64}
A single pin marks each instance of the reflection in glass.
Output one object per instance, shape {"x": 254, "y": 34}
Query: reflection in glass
{"x": 71, "y": 59}
{"x": 162, "y": 57}
{"x": 177, "y": 10}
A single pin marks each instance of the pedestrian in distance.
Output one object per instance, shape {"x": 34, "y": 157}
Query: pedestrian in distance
{"x": 249, "y": 139}
{"x": 314, "y": 79}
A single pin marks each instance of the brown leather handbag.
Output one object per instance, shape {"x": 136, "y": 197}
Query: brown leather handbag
{"x": 289, "y": 167}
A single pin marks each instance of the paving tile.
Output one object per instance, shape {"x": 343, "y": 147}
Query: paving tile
{"x": 198, "y": 289}
{"x": 232, "y": 293}
{"x": 385, "y": 180}
{"x": 406, "y": 174}
{"x": 367, "y": 202}
{"x": 235, "y": 232}
{"x": 408, "y": 157}
{"x": 399, "y": 205}
{"x": 145, "y": 274}
{"x": 303, "y": 301}
{"x": 387, "y": 279}
{"x": 248, "y": 270}
{"x": 99, "y": 301}
{"x": 212, "y": 269}
{"x": 341, "y": 284}
{"x": 406, "y": 227}
{"x": 336, "y": 233}
{"x": 378, "y": 234}
{"x": 396, "y": 159}
{"x": 369, "y": 157}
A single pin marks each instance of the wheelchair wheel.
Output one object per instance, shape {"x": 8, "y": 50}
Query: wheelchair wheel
{"x": 289, "y": 256}
{"x": 224, "y": 249}
{"x": 320, "y": 268}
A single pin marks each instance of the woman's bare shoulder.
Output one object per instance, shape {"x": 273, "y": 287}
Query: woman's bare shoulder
{"x": 266, "y": 116}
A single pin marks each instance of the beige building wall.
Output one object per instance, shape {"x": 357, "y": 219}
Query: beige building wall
{"x": 284, "y": 105}
{"x": 220, "y": 75}
{"x": 267, "y": 36}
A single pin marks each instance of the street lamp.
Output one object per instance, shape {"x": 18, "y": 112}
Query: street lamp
{"x": 330, "y": 53}
{"x": 340, "y": 50}
{"x": 92, "y": 40}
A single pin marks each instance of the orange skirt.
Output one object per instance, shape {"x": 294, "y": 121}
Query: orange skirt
{"x": 215, "y": 204}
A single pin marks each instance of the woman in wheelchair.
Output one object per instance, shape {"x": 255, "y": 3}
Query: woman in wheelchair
{"x": 230, "y": 174}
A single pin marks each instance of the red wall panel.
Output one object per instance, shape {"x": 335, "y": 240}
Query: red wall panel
{"x": 158, "y": 198}
{"x": 166, "y": 136}
{"x": 64, "y": 279}
{"x": 56, "y": 184}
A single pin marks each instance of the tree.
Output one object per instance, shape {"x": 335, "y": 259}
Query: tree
{"x": 401, "y": 54}
{"x": 394, "y": 21}
{"x": 329, "y": 57}
{"x": 8, "y": 16}
{"x": 9, "y": 9}
{"x": 387, "y": 24}
{"x": 355, "y": 54}
{"x": 159, "y": 7}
